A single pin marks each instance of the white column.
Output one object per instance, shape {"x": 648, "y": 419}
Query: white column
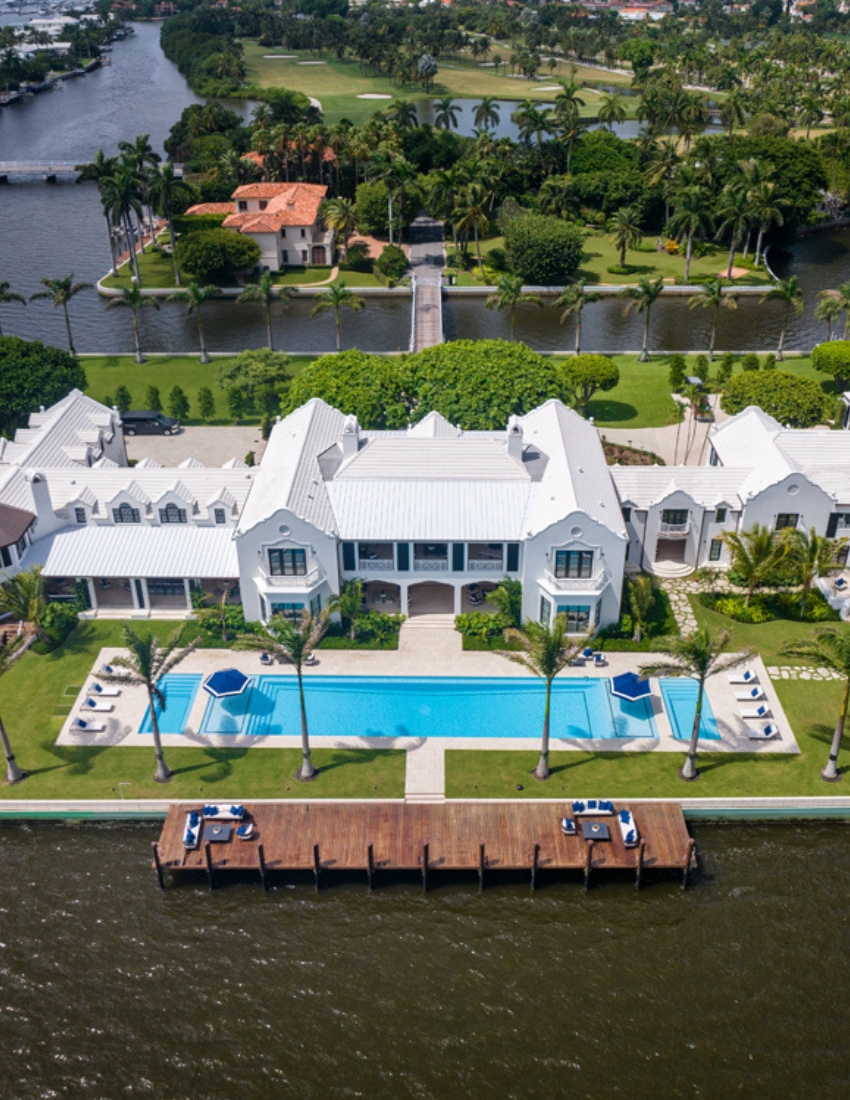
{"x": 144, "y": 583}
{"x": 458, "y": 590}
{"x": 92, "y": 594}
{"x": 135, "y": 599}
{"x": 188, "y": 590}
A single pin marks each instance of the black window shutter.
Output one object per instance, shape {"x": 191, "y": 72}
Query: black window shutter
{"x": 832, "y": 526}
{"x": 403, "y": 555}
{"x": 348, "y": 562}
{"x": 457, "y": 557}
{"x": 513, "y": 557}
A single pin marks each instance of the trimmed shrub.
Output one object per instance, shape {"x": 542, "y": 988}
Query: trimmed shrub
{"x": 791, "y": 400}
{"x": 215, "y": 255}
{"x": 197, "y": 223}
{"x": 750, "y": 362}
{"x": 481, "y": 625}
{"x": 58, "y": 620}
{"x": 770, "y": 606}
{"x": 834, "y": 359}
{"x": 357, "y": 258}
{"x": 678, "y": 370}
{"x": 542, "y": 251}
{"x": 392, "y": 263}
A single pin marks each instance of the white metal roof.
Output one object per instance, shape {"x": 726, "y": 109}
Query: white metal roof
{"x": 62, "y": 434}
{"x": 433, "y": 459}
{"x": 137, "y": 551}
{"x": 708, "y": 486}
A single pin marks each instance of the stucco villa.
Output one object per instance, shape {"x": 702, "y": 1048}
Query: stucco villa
{"x": 429, "y": 517}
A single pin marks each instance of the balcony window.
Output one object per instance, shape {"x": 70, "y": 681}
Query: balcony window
{"x": 431, "y": 556}
{"x": 675, "y": 517}
{"x": 126, "y": 514}
{"x": 375, "y": 557}
{"x": 172, "y": 514}
{"x": 292, "y": 611}
{"x": 573, "y": 563}
{"x": 485, "y": 557}
{"x": 838, "y": 521}
{"x": 316, "y": 606}
{"x": 577, "y": 615}
{"x": 786, "y": 519}
{"x": 288, "y": 563}
{"x": 513, "y": 557}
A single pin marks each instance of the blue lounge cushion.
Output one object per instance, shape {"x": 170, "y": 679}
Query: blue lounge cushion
{"x": 579, "y": 807}
{"x": 625, "y": 815}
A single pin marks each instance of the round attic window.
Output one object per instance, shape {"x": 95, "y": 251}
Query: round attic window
{"x": 284, "y": 530}
{"x": 793, "y": 489}
{"x": 576, "y": 532}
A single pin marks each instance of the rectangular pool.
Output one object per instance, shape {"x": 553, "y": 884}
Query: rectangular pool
{"x": 180, "y": 690}
{"x": 394, "y": 706}
{"x": 680, "y": 702}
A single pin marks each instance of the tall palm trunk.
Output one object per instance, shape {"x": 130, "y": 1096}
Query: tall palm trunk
{"x": 779, "y": 354}
{"x": 139, "y": 356}
{"x": 747, "y": 243}
{"x": 758, "y": 244}
{"x": 689, "y": 770}
{"x": 307, "y": 769}
{"x": 688, "y": 252}
{"x": 713, "y": 335}
{"x": 390, "y": 211}
{"x": 578, "y": 332}
{"x": 68, "y": 330}
{"x": 269, "y": 325}
{"x": 163, "y": 773}
{"x": 644, "y": 353}
{"x": 830, "y": 772}
{"x": 338, "y": 337}
{"x": 111, "y": 246}
{"x": 731, "y": 258}
{"x": 172, "y": 239}
{"x": 131, "y": 243}
{"x": 204, "y": 357}
{"x": 13, "y": 773}
{"x": 542, "y": 769}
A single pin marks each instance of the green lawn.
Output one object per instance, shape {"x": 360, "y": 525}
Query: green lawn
{"x": 811, "y": 707}
{"x": 37, "y": 686}
{"x": 337, "y": 84}
{"x": 106, "y": 373}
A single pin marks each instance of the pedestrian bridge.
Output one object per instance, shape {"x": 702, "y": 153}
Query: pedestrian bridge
{"x": 49, "y": 171}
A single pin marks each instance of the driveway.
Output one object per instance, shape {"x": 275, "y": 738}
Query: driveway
{"x": 213, "y": 446}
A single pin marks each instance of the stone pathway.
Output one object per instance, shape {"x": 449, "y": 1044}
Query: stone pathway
{"x": 425, "y": 773}
{"x": 802, "y": 672}
{"x": 678, "y": 592}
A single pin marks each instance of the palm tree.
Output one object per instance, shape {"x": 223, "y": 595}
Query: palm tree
{"x": 445, "y": 113}
{"x": 546, "y": 651}
{"x": 828, "y": 308}
{"x": 509, "y": 294}
{"x": 572, "y": 301}
{"x": 403, "y": 113}
{"x": 843, "y": 295}
{"x": 531, "y": 121}
{"x": 60, "y": 292}
{"x": 487, "y": 113}
{"x": 146, "y": 664}
{"x": 643, "y": 298}
{"x": 733, "y": 213}
{"x": 698, "y": 655}
{"x": 828, "y": 648}
{"x": 122, "y": 199}
{"x": 134, "y": 298}
{"x": 612, "y": 109}
{"x": 22, "y": 597}
{"x": 349, "y": 603}
{"x": 215, "y": 614}
{"x": 568, "y": 101}
{"x": 712, "y": 296}
{"x": 291, "y": 643}
{"x": 194, "y": 296}
{"x": 98, "y": 171}
{"x": 336, "y": 298}
{"x": 9, "y": 295}
{"x": 766, "y": 209}
{"x": 733, "y": 110}
{"x": 624, "y": 231}
{"x": 265, "y": 293}
{"x": 813, "y": 555}
{"x": 789, "y": 293}
{"x": 340, "y": 215}
{"x": 8, "y": 654}
{"x": 691, "y": 216}
{"x": 164, "y": 186}
{"x": 471, "y": 213}
{"x": 641, "y": 601}
{"x": 506, "y": 597}
{"x": 755, "y": 555}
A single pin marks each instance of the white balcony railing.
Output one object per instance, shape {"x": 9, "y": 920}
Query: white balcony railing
{"x": 485, "y": 566}
{"x": 306, "y": 580}
{"x": 375, "y": 565}
{"x": 674, "y": 530}
{"x": 431, "y": 565}
{"x": 580, "y": 584}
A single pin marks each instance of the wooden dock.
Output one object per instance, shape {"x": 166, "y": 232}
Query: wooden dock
{"x": 375, "y": 837}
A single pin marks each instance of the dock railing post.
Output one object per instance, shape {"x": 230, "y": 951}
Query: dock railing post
{"x": 534, "y": 860}
{"x": 482, "y": 863}
{"x": 261, "y": 855}
{"x": 370, "y": 863}
{"x": 157, "y": 864}
{"x": 639, "y": 864}
{"x": 317, "y": 866}
{"x": 208, "y": 854}
{"x": 588, "y": 865}
{"x": 689, "y": 855}
{"x": 425, "y": 866}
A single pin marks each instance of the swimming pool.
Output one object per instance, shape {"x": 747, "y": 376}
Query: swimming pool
{"x": 180, "y": 690}
{"x": 363, "y": 706}
{"x": 680, "y": 702}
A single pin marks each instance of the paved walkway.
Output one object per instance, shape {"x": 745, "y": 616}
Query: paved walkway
{"x": 427, "y": 256}
{"x": 684, "y": 444}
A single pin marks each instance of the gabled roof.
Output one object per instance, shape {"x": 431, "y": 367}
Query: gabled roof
{"x": 66, "y": 434}
{"x": 707, "y": 486}
{"x": 294, "y": 204}
{"x": 14, "y": 522}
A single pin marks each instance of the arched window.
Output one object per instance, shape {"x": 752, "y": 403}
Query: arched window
{"x": 172, "y": 514}
{"x": 126, "y": 514}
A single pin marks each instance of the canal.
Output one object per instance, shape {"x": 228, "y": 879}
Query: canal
{"x": 53, "y": 230}
{"x": 112, "y": 988}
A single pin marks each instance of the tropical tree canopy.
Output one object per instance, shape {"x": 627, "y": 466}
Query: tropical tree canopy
{"x": 543, "y": 251}
{"x": 792, "y": 400}
{"x": 33, "y": 374}
{"x": 583, "y": 375}
{"x": 215, "y": 255}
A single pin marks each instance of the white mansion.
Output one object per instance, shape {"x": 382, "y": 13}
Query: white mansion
{"x": 431, "y": 517}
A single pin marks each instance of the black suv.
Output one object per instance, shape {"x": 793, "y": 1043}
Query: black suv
{"x": 147, "y": 422}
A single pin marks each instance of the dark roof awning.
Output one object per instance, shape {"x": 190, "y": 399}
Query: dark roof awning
{"x": 13, "y": 523}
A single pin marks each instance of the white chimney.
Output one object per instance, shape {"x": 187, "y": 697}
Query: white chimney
{"x": 350, "y": 437}
{"x": 514, "y": 444}
{"x": 40, "y": 494}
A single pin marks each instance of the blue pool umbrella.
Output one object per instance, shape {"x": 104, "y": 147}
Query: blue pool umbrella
{"x": 630, "y": 687}
{"x": 227, "y": 681}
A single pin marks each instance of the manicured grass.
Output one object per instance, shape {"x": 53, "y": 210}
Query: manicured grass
{"x": 337, "y": 84}
{"x": 106, "y": 372}
{"x": 37, "y": 685}
{"x": 811, "y": 707}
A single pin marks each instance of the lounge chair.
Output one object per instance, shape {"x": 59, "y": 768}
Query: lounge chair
{"x": 568, "y": 826}
{"x": 87, "y": 727}
{"x": 756, "y": 712}
{"x": 840, "y": 584}
{"x": 753, "y": 693}
{"x": 115, "y": 670}
{"x": 763, "y": 733}
{"x": 593, "y": 806}
{"x": 245, "y": 832}
{"x": 110, "y": 692}
{"x": 628, "y": 828}
{"x": 266, "y": 659}
{"x": 310, "y": 659}
{"x": 599, "y": 660}
{"x": 223, "y": 812}
{"x": 192, "y": 831}
{"x": 97, "y": 704}
{"x": 748, "y": 677}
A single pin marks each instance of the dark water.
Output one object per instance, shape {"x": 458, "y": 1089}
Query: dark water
{"x": 737, "y": 986}
{"x": 53, "y": 230}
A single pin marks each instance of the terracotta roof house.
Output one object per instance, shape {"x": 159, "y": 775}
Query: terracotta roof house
{"x": 283, "y": 218}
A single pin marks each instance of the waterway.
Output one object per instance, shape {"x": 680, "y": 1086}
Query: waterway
{"x": 51, "y": 230}
{"x": 112, "y": 988}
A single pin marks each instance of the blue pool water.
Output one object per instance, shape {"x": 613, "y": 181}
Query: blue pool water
{"x": 680, "y": 702}
{"x": 180, "y": 690}
{"x": 360, "y": 706}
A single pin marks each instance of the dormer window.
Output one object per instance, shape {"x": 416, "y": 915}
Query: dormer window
{"x": 720, "y": 515}
{"x": 243, "y": 206}
{"x": 126, "y": 514}
{"x": 172, "y": 514}
{"x": 80, "y": 515}
{"x": 220, "y": 516}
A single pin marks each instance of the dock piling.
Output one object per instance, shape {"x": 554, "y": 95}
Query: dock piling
{"x": 482, "y": 863}
{"x": 425, "y": 866}
{"x": 534, "y": 860}
{"x": 158, "y": 864}
{"x": 317, "y": 866}
{"x": 639, "y": 864}
{"x": 208, "y": 855}
{"x": 261, "y": 855}
{"x": 370, "y": 863}
{"x": 588, "y": 864}
{"x": 689, "y": 855}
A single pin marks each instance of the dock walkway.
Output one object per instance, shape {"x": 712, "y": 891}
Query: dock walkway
{"x": 426, "y": 837}
{"x": 426, "y": 261}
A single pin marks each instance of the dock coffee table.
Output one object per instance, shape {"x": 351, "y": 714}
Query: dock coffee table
{"x": 217, "y": 832}
{"x": 595, "y": 830}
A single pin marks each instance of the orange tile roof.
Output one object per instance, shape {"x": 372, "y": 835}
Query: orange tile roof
{"x": 212, "y": 208}
{"x": 288, "y": 204}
